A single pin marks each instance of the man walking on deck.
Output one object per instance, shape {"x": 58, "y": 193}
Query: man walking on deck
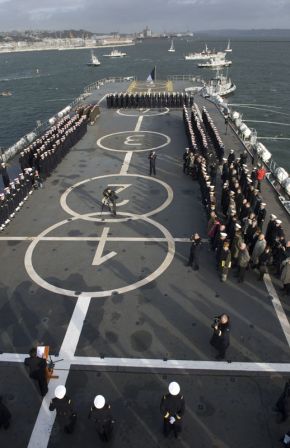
{"x": 152, "y": 160}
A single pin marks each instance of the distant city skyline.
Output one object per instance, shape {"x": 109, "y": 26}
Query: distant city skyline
{"x": 133, "y": 15}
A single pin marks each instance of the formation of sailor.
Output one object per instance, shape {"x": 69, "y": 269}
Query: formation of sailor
{"x": 36, "y": 367}
{"x": 45, "y": 153}
{"x": 65, "y": 413}
{"x": 149, "y": 100}
{"x": 38, "y": 160}
{"x": 239, "y": 218}
{"x": 101, "y": 415}
{"x": 14, "y": 196}
{"x": 152, "y": 163}
{"x": 109, "y": 200}
{"x": 172, "y": 408}
{"x": 220, "y": 339}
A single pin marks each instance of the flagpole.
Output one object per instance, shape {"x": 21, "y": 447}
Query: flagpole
{"x": 155, "y": 73}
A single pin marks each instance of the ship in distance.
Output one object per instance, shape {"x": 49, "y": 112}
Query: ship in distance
{"x": 205, "y": 55}
{"x": 94, "y": 60}
{"x": 115, "y": 54}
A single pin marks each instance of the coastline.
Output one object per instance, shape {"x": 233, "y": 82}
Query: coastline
{"x": 91, "y": 47}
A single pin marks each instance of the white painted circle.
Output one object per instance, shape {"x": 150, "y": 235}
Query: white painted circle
{"x": 98, "y": 294}
{"x": 101, "y": 145}
{"x": 92, "y": 216}
{"x": 144, "y": 113}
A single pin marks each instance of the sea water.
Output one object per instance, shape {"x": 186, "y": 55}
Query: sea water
{"x": 42, "y": 83}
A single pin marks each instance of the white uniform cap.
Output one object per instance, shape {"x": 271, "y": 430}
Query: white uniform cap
{"x": 264, "y": 204}
{"x": 174, "y": 388}
{"x": 99, "y": 402}
{"x": 223, "y": 234}
{"x": 60, "y": 392}
{"x": 278, "y": 221}
{"x": 273, "y": 216}
{"x": 238, "y": 226}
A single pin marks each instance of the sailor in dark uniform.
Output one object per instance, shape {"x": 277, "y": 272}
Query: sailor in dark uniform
{"x": 5, "y": 175}
{"x": 101, "y": 414}
{"x": 220, "y": 339}
{"x": 172, "y": 408}
{"x": 152, "y": 161}
{"x": 5, "y": 415}
{"x": 65, "y": 413}
{"x": 194, "y": 252}
{"x": 37, "y": 370}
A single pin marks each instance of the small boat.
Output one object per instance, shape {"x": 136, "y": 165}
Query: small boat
{"x": 205, "y": 55}
{"x": 6, "y": 93}
{"x": 220, "y": 85}
{"x": 94, "y": 60}
{"x": 228, "y": 49}
{"x": 215, "y": 63}
{"x": 115, "y": 54}
{"x": 171, "y": 49}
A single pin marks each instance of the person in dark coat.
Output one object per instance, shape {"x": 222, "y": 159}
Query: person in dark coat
{"x": 65, "y": 413}
{"x": 172, "y": 408}
{"x": 5, "y": 175}
{"x": 220, "y": 339}
{"x": 283, "y": 403}
{"x": 195, "y": 247}
{"x": 37, "y": 370}
{"x": 264, "y": 261}
{"x": 5, "y": 415}
{"x": 185, "y": 160}
{"x": 152, "y": 162}
{"x": 101, "y": 414}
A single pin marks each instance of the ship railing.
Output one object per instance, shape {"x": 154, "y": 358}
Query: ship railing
{"x": 8, "y": 153}
{"x": 185, "y": 78}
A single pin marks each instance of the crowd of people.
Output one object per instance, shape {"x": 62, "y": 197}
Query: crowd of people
{"x": 236, "y": 215}
{"x": 149, "y": 100}
{"x": 38, "y": 160}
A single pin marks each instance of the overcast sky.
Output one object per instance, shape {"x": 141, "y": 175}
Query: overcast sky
{"x": 134, "y": 15}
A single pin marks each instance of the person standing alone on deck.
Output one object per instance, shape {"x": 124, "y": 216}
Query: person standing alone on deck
{"x": 194, "y": 252}
{"x": 152, "y": 160}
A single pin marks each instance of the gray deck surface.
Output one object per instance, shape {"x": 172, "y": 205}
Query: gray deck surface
{"x": 169, "y": 318}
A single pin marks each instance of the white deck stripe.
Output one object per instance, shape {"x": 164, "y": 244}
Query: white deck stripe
{"x": 45, "y": 419}
{"x": 126, "y": 163}
{"x": 278, "y": 307}
{"x": 95, "y": 238}
{"x": 143, "y": 363}
{"x": 99, "y": 102}
{"x": 139, "y": 122}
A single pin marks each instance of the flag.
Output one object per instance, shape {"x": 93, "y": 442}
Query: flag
{"x": 152, "y": 75}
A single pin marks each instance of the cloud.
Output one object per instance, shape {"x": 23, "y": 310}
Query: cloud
{"x": 50, "y": 11}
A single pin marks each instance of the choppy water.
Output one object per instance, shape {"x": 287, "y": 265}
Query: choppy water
{"x": 43, "y": 83}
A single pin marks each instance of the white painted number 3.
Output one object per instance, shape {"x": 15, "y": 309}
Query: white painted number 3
{"x": 134, "y": 140}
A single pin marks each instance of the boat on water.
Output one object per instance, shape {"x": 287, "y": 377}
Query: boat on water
{"x": 204, "y": 55}
{"x": 94, "y": 60}
{"x": 6, "y": 93}
{"x": 220, "y": 85}
{"x": 228, "y": 48}
{"x": 215, "y": 63}
{"x": 112, "y": 296}
{"x": 115, "y": 54}
{"x": 171, "y": 49}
